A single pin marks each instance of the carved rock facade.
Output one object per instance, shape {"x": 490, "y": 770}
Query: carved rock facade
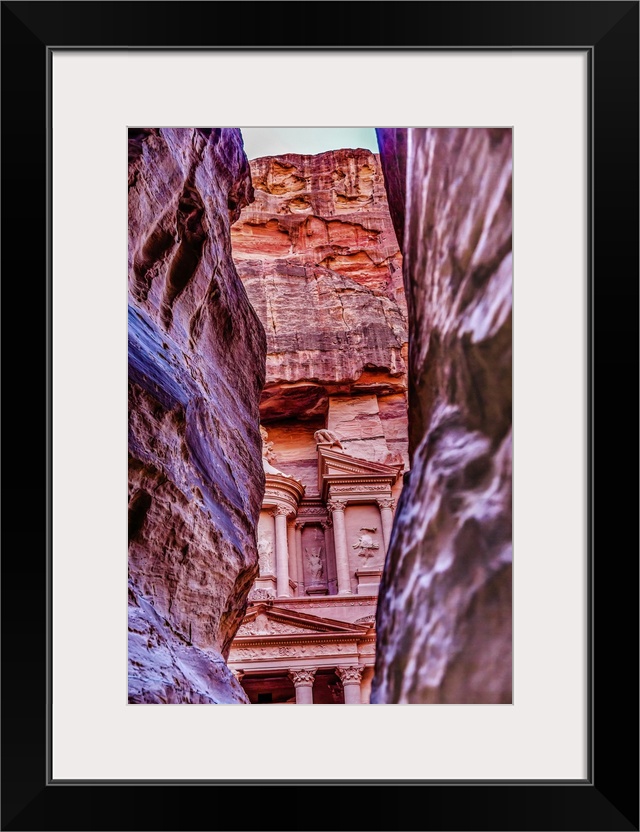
{"x": 321, "y": 263}
{"x": 196, "y": 371}
{"x": 444, "y": 616}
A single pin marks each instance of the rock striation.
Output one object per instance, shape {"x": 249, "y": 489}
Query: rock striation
{"x": 196, "y": 371}
{"x": 320, "y": 261}
{"x": 444, "y": 614}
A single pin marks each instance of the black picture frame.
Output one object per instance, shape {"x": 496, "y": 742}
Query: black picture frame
{"x": 608, "y": 798}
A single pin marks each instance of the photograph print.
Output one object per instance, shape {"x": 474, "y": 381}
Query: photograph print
{"x": 320, "y": 415}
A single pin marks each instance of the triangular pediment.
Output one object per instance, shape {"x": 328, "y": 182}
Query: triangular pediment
{"x": 335, "y": 467}
{"x": 263, "y": 621}
{"x": 341, "y": 464}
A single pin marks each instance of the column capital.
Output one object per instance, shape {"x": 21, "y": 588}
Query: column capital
{"x": 326, "y": 524}
{"x": 239, "y": 674}
{"x": 386, "y": 502}
{"x": 350, "y": 675}
{"x": 304, "y": 677}
{"x": 300, "y": 524}
{"x": 283, "y": 510}
{"x": 336, "y": 504}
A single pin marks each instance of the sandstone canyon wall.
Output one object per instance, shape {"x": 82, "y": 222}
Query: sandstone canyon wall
{"x": 444, "y": 614}
{"x": 196, "y": 372}
{"x": 318, "y": 255}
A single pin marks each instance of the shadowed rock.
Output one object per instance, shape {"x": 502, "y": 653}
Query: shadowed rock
{"x": 196, "y": 371}
{"x": 444, "y": 615}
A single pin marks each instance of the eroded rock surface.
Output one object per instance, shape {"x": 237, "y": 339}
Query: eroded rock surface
{"x": 319, "y": 258}
{"x": 196, "y": 371}
{"x": 444, "y": 614}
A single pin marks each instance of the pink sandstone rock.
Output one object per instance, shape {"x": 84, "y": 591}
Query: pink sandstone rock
{"x": 319, "y": 258}
{"x": 444, "y": 614}
{"x": 196, "y": 371}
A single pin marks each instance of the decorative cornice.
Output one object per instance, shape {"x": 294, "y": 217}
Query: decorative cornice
{"x": 245, "y": 654}
{"x": 356, "y": 486}
{"x": 306, "y": 638}
{"x": 328, "y": 601}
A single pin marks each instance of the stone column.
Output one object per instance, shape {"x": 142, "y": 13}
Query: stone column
{"x": 336, "y": 507}
{"x": 350, "y": 678}
{"x": 386, "y": 515}
{"x": 293, "y": 562}
{"x": 298, "y": 550}
{"x": 331, "y": 577}
{"x": 282, "y": 553}
{"x": 303, "y": 683}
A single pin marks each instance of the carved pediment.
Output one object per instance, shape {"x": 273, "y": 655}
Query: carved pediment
{"x": 263, "y": 621}
{"x": 262, "y": 625}
{"x": 336, "y": 467}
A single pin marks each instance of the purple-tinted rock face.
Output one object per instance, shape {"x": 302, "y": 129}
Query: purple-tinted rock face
{"x": 444, "y": 615}
{"x": 196, "y": 371}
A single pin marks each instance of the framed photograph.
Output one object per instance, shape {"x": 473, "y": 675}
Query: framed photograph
{"x": 81, "y": 751}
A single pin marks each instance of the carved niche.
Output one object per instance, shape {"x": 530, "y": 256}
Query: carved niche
{"x": 265, "y": 555}
{"x": 314, "y": 555}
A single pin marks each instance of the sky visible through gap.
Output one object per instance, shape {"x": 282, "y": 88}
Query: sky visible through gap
{"x": 275, "y": 141}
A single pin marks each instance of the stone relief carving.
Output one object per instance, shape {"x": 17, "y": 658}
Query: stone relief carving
{"x": 261, "y": 595}
{"x": 263, "y": 626}
{"x": 336, "y": 505}
{"x": 265, "y": 555}
{"x": 367, "y": 619}
{"x": 268, "y": 457}
{"x": 349, "y": 675}
{"x": 286, "y": 651}
{"x": 280, "y": 510}
{"x": 317, "y": 511}
{"x": 356, "y": 488}
{"x": 327, "y": 437}
{"x": 366, "y": 544}
{"x": 386, "y": 502}
{"x": 315, "y": 566}
{"x": 267, "y": 447}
